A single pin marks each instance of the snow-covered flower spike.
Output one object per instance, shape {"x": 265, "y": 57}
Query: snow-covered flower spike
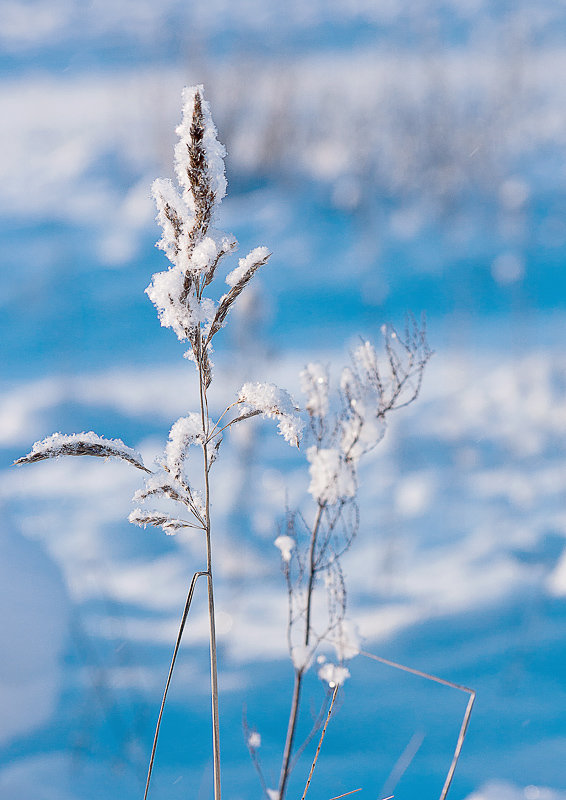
{"x": 271, "y": 401}
{"x": 158, "y": 519}
{"x": 194, "y": 249}
{"x": 82, "y": 444}
{"x": 202, "y": 178}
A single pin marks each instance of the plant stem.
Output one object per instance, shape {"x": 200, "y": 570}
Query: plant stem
{"x": 294, "y": 712}
{"x": 293, "y": 716}
{"x": 211, "y": 618}
{"x": 188, "y": 602}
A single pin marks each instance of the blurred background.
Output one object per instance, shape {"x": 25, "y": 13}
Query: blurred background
{"x": 396, "y": 157}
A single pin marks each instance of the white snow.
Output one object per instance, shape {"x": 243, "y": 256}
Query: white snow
{"x": 285, "y": 544}
{"x": 186, "y": 431}
{"x": 271, "y": 401}
{"x": 66, "y": 444}
{"x": 254, "y": 740}
{"x": 33, "y": 634}
{"x": 256, "y": 256}
{"x": 332, "y": 478}
{"x": 215, "y": 152}
{"x": 502, "y": 790}
{"x": 333, "y": 675}
{"x": 301, "y": 656}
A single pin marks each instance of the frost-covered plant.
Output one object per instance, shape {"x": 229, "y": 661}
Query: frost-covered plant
{"x": 195, "y": 249}
{"x": 344, "y": 426}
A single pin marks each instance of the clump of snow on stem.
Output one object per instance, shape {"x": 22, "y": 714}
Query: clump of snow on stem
{"x": 314, "y": 384}
{"x": 254, "y": 740}
{"x": 215, "y": 151}
{"x": 185, "y": 432}
{"x": 286, "y": 545}
{"x": 333, "y": 675}
{"x": 273, "y": 794}
{"x": 347, "y": 640}
{"x": 245, "y": 264}
{"x": 165, "y": 292}
{"x": 170, "y": 209}
{"x": 302, "y": 655}
{"x": 332, "y": 477}
{"x": 271, "y": 401}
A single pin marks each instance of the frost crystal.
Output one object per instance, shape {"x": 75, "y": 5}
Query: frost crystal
{"x": 332, "y": 478}
{"x": 270, "y": 400}
{"x": 285, "y": 545}
{"x": 314, "y": 383}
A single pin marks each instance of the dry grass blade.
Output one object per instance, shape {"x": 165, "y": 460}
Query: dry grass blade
{"x": 188, "y": 602}
{"x": 444, "y": 682}
{"x": 322, "y": 735}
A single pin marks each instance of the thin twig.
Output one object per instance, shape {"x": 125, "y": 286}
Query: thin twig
{"x": 322, "y": 735}
{"x": 353, "y": 791}
{"x": 444, "y": 682}
{"x": 188, "y": 602}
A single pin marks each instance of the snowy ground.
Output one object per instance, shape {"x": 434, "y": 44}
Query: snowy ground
{"x": 393, "y": 159}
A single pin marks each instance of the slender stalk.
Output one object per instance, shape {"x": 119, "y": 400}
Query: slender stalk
{"x": 211, "y": 617}
{"x": 291, "y": 728}
{"x": 188, "y": 602}
{"x": 294, "y": 712}
{"x": 322, "y": 735}
{"x": 444, "y": 682}
{"x": 312, "y": 572}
